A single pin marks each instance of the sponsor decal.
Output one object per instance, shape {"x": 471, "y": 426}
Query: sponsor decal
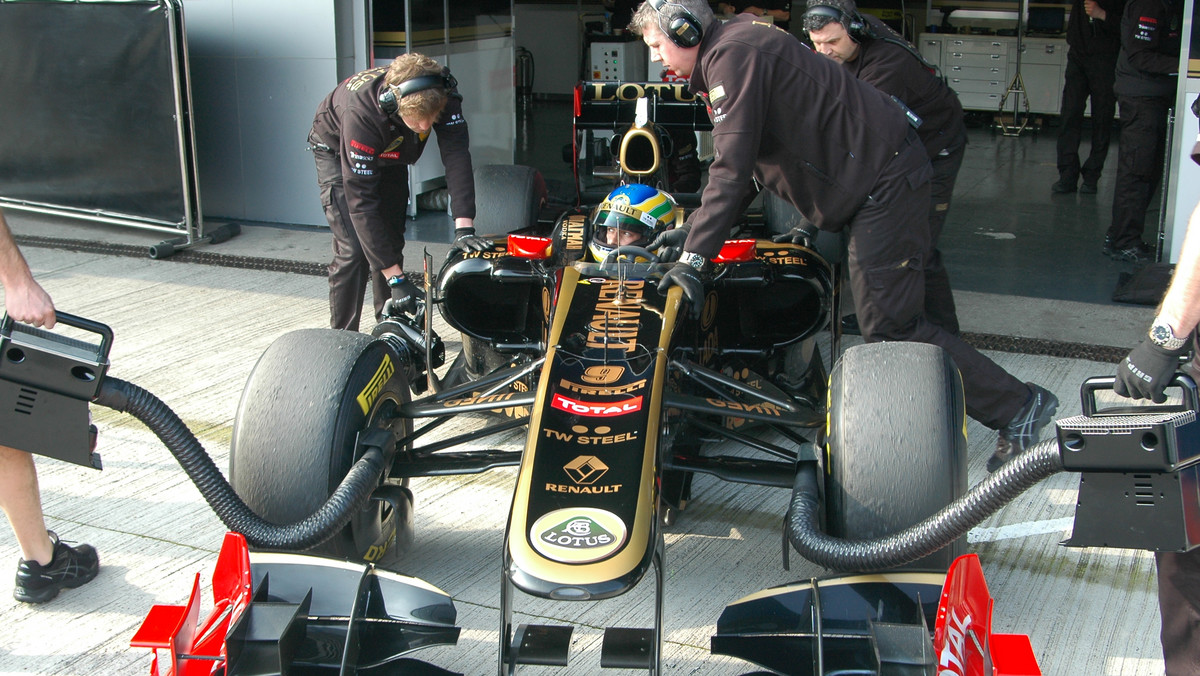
{"x": 585, "y": 470}
{"x": 489, "y": 399}
{"x": 362, "y": 170}
{"x": 394, "y": 144}
{"x": 355, "y": 82}
{"x": 389, "y": 156}
{"x": 783, "y": 257}
{"x": 606, "y": 409}
{"x": 615, "y": 323}
{"x": 370, "y": 393}
{"x": 572, "y": 231}
{"x": 580, "y": 434}
{"x": 578, "y": 535}
{"x": 716, "y": 94}
{"x": 953, "y": 660}
{"x": 362, "y": 146}
{"x": 632, "y": 91}
{"x": 456, "y": 118}
{"x": 763, "y": 408}
{"x": 601, "y": 391}
{"x": 364, "y": 158}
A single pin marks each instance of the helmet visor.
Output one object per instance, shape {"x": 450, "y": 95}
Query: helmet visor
{"x": 622, "y": 225}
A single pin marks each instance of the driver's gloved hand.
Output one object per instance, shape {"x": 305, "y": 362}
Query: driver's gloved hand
{"x": 404, "y": 296}
{"x": 466, "y": 240}
{"x": 1146, "y": 372}
{"x": 669, "y": 243}
{"x": 803, "y": 234}
{"x": 687, "y": 278}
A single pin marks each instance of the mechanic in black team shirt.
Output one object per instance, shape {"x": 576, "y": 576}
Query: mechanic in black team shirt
{"x": 365, "y": 134}
{"x": 874, "y": 53}
{"x": 843, "y": 154}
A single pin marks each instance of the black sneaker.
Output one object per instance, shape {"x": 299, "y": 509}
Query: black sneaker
{"x": 1025, "y": 429}
{"x": 71, "y": 567}
{"x": 1062, "y": 186}
{"x": 1138, "y": 253}
{"x": 1087, "y": 188}
{"x": 1108, "y": 247}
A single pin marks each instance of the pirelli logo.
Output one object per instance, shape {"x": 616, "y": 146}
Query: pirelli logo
{"x": 370, "y": 393}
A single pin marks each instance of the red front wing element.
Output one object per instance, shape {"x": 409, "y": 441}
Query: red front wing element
{"x": 963, "y": 638}
{"x": 175, "y": 628}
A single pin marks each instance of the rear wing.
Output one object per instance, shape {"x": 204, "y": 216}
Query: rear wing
{"x": 601, "y": 105}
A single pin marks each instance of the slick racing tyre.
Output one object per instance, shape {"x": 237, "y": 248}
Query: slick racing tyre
{"x": 309, "y": 397}
{"x": 896, "y": 444}
{"x": 513, "y": 195}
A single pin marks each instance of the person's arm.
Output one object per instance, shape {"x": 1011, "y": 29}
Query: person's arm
{"x": 1181, "y": 304}
{"x": 24, "y": 299}
{"x": 454, "y": 144}
{"x": 1143, "y": 35}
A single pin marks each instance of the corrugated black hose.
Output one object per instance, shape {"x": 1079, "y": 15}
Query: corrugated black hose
{"x": 920, "y": 540}
{"x": 349, "y": 497}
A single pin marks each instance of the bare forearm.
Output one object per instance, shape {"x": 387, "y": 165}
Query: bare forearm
{"x": 1181, "y": 304}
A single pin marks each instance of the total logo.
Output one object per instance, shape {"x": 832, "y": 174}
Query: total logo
{"x": 578, "y": 534}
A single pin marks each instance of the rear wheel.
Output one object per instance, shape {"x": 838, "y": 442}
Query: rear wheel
{"x": 896, "y": 443}
{"x": 309, "y": 397}
{"x": 513, "y": 195}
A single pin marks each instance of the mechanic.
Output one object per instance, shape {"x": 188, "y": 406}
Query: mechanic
{"x": 1093, "y": 41}
{"x": 47, "y": 564}
{"x": 844, "y": 155}
{"x": 1147, "y": 68}
{"x": 365, "y": 134}
{"x": 780, "y": 11}
{"x": 875, "y": 53}
{"x": 1144, "y": 374}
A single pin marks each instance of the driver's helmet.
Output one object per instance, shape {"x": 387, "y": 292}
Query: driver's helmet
{"x": 631, "y": 215}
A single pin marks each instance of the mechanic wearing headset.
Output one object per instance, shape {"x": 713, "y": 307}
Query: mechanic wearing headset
{"x": 1145, "y": 374}
{"x": 365, "y": 134}
{"x": 875, "y": 53}
{"x": 844, "y": 155}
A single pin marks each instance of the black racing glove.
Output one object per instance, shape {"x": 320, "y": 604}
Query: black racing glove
{"x": 687, "y": 278}
{"x": 466, "y": 240}
{"x": 669, "y": 244}
{"x": 1146, "y": 372}
{"x": 404, "y": 296}
{"x": 803, "y": 234}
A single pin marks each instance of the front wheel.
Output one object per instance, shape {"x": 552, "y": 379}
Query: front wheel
{"x": 309, "y": 398}
{"x": 896, "y": 444}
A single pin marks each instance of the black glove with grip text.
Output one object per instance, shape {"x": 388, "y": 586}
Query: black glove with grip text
{"x": 669, "y": 243}
{"x": 404, "y": 296}
{"x": 1146, "y": 372}
{"x": 687, "y": 278}
{"x": 466, "y": 240}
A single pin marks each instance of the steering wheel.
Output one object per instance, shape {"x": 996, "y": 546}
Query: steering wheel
{"x": 626, "y": 250}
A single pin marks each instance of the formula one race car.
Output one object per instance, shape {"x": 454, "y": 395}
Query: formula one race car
{"x": 618, "y": 388}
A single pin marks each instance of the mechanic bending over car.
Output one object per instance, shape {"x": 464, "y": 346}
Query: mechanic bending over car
{"x": 844, "y": 155}
{"x": 47, "y": 564}
{"x": 365, "y": 134}
{"x": 1145, "y": 374}
{"x": 876, "y": 54}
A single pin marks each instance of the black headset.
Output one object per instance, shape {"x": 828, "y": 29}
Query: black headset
{"x": 683, "y": 29}
{"x": 389, "y": 97}
{"x": 855, "y": 25}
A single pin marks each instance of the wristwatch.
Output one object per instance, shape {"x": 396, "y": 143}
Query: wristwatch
{"x": 696, "y": 261}
{"x": 1163, "y": 336}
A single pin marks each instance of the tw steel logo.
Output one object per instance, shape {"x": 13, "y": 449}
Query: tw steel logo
{"x": 615, "y": 324}
{"x": 596, "y": 409}
{"x": 601, "y": 436}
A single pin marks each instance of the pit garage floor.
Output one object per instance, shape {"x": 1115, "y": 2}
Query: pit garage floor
{"x": 190, "y": 328}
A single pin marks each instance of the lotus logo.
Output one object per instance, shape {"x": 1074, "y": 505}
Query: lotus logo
{"x": 585, "y": 470}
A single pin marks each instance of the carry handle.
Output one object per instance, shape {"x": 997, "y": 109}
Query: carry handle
{"x": 1183, "y": 381}
{"x": 103, "y": 330}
